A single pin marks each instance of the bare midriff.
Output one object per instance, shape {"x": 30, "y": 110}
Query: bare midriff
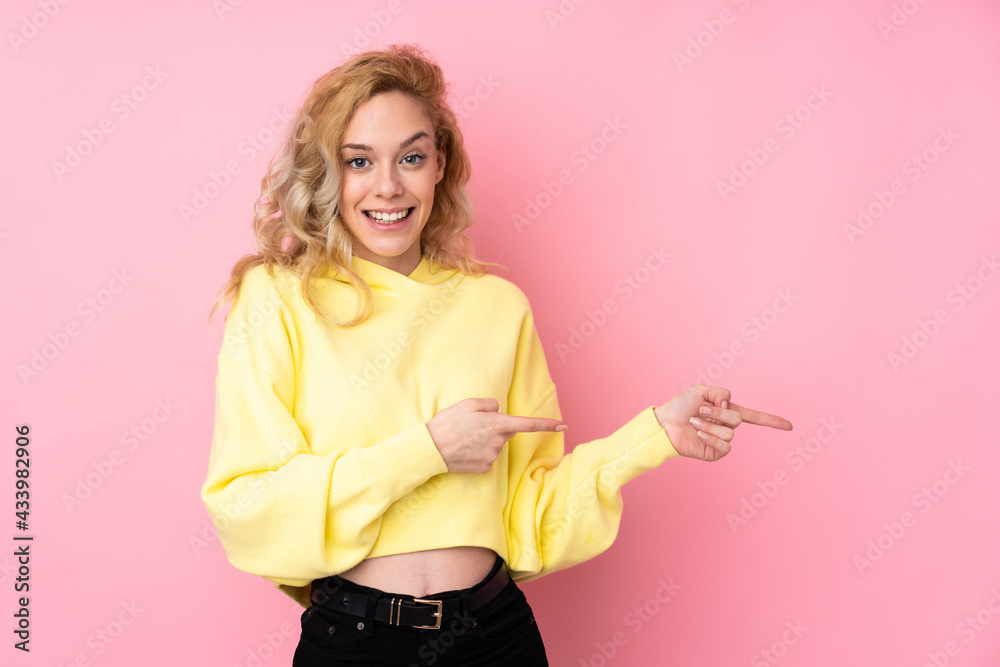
{"x": 421, "y": 573}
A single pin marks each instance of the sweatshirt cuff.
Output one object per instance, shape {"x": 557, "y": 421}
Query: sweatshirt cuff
{"x": 641, "y": 444}
{"x": 646, "y": 432}
{"x": 421, "y": 452}
{"x": 413, "y": 453}
{"x": 659, "y": 435}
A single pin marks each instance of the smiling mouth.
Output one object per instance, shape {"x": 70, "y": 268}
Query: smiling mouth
{"x": 389, "y": 218}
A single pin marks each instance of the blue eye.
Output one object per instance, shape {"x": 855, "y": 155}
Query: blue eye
{"x": 419, "y": 157}
{"x": 354, "y": 160}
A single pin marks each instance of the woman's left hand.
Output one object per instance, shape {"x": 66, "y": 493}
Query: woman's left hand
{"x": 707, "y": 437}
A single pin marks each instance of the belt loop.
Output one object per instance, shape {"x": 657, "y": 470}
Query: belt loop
{"x": 320, "y": 591}
{"x": 370, "y": 603}
{"x": 466, "y": 610}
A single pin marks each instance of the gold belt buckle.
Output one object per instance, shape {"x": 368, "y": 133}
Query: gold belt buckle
{"x": 437, "y": 614}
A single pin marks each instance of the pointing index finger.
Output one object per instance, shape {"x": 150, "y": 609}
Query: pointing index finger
{"x": 519, "y": 424}
{"x": 761, "y": 418}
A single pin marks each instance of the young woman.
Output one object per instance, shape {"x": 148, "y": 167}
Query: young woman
{"x": 388, "y": 444}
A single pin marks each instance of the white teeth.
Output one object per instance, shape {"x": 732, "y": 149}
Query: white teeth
{"x": 387, "y": 217}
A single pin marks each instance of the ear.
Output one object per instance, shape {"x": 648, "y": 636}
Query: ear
{"x": 441, "y": 163}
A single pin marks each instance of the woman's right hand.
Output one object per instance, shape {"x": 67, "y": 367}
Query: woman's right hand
{"x": 471, "y": 433}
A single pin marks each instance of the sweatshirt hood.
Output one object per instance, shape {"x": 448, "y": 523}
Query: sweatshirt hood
{"x": 379, "y": 277}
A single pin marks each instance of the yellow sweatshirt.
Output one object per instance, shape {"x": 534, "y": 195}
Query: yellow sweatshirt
{"x": 321, "y": 456}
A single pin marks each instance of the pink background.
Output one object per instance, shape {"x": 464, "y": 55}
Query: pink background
{"x": 135, "y": 559}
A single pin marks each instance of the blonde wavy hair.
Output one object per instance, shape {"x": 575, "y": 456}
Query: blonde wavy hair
{"x": 296, "y": 219}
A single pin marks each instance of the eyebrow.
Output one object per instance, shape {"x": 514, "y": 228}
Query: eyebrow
{"x": 366, "y": 147}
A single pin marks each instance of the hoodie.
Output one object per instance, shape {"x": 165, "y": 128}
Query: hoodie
{"x": 321, "y": 456}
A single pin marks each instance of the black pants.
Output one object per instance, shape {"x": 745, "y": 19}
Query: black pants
{"x": 501, "y": 632}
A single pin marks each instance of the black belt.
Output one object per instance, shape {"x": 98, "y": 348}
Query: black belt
{"x": 420, "y": 613}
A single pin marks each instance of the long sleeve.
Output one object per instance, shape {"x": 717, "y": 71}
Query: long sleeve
{"x": 281, "y": 510}
{"x": 563, "y": 509}
{"x": 321, "y": 456}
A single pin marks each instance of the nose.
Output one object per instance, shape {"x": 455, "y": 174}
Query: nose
{"x": 387, "y": 183}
